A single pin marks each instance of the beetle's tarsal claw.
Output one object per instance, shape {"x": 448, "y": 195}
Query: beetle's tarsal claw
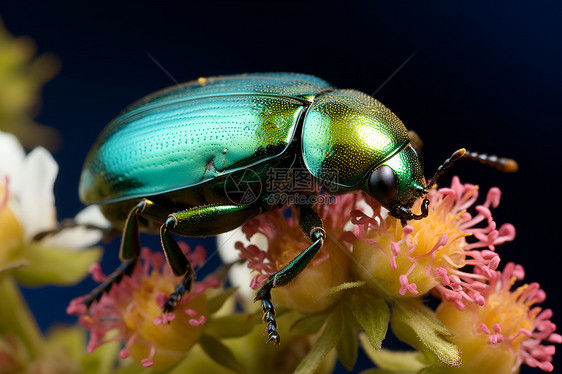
{"x": 274, "y": 337}
{"x": 126, "y": 268}
{"x": 264, "y": 294}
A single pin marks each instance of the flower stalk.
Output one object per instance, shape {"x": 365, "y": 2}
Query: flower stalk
{"x": 16, "y": 318}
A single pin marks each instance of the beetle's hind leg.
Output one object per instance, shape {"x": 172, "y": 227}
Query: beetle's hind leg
{"x": 126, "y": 268}
{"x": 128, "y": 253}
{"x": 311, "y": 225}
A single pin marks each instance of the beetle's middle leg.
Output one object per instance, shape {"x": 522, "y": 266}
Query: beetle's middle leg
{"x": 311, "y": 226}
{"x": 203, "y": 220}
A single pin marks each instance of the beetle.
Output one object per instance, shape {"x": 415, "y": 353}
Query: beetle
{"x": 167, "y": 163}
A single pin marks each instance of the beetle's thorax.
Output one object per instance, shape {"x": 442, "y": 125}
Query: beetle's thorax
{"x": 350, "y": 133}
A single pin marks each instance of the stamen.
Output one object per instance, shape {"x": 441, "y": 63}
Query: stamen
{"x": 147, "y": 362}
{"x": 97, "y": 273}
{"x": 126, "y": 351}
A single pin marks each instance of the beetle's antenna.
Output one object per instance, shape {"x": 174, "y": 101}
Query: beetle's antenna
{"x": 507, "y": 165}
{"x": 445, "y": 165}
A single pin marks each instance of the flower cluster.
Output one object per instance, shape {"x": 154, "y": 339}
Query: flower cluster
{"x": 368, "y": 265}
{"x": 450, "y": 254}
{"x": 329, "y": 269}
{"x": 509, "y": 325}
{"x": 433, "y": 253}
{"x": 370, "y": 274}
{"x": 133, "y": 308}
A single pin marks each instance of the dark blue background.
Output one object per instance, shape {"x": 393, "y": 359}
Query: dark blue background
{"x": 485, "y": 76}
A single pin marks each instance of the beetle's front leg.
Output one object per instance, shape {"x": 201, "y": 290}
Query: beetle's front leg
{"x": 311, "y": 225}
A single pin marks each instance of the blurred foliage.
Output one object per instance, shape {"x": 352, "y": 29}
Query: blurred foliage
{"x": 22, "y": 75}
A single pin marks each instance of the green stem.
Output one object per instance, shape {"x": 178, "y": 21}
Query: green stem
{"x": 17, "y": 319}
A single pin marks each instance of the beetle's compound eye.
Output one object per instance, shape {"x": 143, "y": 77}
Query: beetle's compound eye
{"x": 383, "y": 183}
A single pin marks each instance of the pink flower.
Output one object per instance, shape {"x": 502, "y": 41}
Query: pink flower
{"x": 285, "y": 241}
{"x": 432, "y": 253}
{"x": 509, "y": 326}
{"x": 133, "y": 309}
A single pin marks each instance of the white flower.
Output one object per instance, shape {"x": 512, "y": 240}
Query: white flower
{"x": 240, "y": 276}
{"x": 27, "y": 207}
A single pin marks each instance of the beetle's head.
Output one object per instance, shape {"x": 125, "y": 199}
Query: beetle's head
{"x": 398, "y": 183}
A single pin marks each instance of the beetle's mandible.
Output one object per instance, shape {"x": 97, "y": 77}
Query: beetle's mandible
{"x": 167, "y": 162}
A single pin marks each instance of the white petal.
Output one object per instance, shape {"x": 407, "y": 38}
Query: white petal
{"x": 37, "y": 202}
{"x": 73, "y": 239}
{"x": 92, "y": 215}
{"x": 77, "y": 238}
{"x": 11, "y": 159}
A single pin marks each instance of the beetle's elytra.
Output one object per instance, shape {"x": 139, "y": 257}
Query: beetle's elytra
{"x": 167, "y": 161}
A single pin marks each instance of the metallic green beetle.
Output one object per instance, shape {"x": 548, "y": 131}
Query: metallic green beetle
{"x": 172, "y": 161}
